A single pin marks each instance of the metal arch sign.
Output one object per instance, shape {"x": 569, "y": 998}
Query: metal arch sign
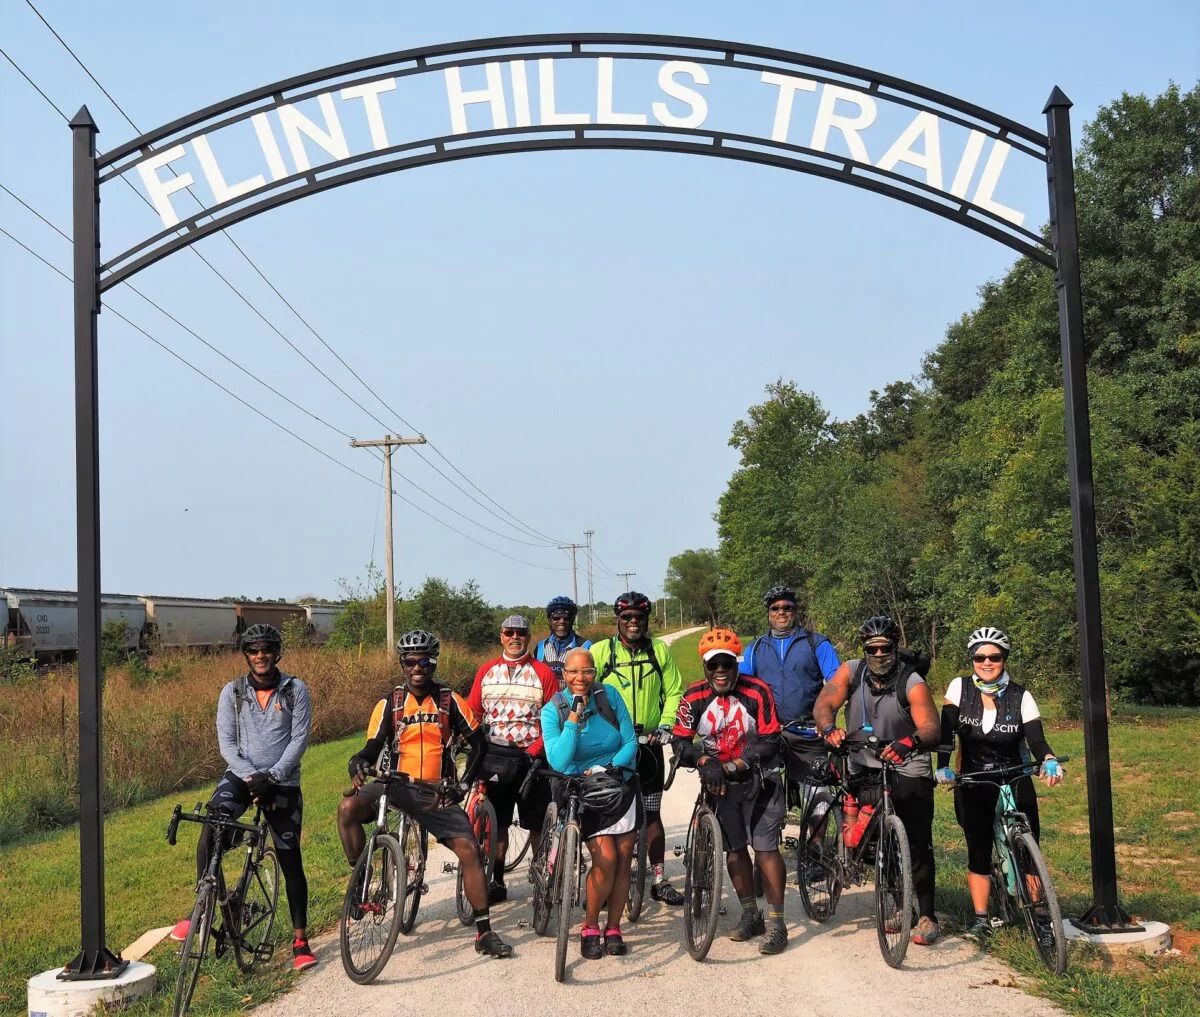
{"x": 698, "y": 96}
{"x": 316, "y": 131}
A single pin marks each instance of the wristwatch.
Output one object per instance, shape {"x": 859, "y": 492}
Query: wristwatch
{"x": 828, "y": 729}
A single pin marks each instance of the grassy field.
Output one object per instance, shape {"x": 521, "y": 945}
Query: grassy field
{"x": 1158, "y": 836}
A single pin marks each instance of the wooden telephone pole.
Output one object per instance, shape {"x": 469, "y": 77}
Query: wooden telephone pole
{"x": 574, "y": 573}
{"x": 387, "y": 443}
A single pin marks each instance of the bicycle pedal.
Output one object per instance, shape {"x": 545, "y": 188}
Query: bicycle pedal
{"x": 449, "y": 866}
{"x": 678, "y": 850}
{"x": 219, "y": 943}
{"x": 791, "y": 843}
{"x": 264, "y": 951}
{"x": 424, "y": 888}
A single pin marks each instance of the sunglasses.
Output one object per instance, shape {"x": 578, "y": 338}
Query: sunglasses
{"x": 718, "y": 663}
{"x": 781, "y": 608}
{"x": 509, "y": 633}
{"x": 419, "y": 662}
{"x": 560, "y": 615}
{"x": 255, "y": 651}
{"x": 991, "y": 658}
{"x": 632, "y": 616}
{"x": 881, "y": 650}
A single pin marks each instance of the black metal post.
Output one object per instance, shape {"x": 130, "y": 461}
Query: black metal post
{"x": 94, "y": 960}
{"x": 1105, "y": 914}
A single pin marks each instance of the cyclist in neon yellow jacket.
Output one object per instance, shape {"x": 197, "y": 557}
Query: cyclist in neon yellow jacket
{"x": 641, "y": 670}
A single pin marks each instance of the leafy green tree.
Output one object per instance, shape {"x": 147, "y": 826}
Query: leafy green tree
{"x": 692, "y": 579}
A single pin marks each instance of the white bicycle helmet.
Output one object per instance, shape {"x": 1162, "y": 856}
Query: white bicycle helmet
{"x": 988, "y": 634}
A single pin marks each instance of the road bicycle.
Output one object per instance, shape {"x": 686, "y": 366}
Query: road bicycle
{"x": 482, "y": 816}
{"x": 247, "y": 912}
{"x": 1021, "y": 883}
{"x": 703, "y": 866}
{"x": 826, "y": 864}
{"x": 388, "y": 880}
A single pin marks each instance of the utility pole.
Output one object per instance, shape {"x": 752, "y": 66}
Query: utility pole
{"x": 591, "y": 597}
{"x": 387, "y": 443}
{"x": 574, "y": 574}
{"x": 626, "y": 576}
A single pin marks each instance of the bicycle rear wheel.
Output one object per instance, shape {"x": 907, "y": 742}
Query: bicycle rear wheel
{"x": 637, "y": 876}
{"x": 195, "y": 946}
{"x": 371, "y": 909}
{"x": 1039, "y": 902}
{"x": 483, "y": 822}
{"x": 566, "y": 878}
{"x": 540, "y": 874}
{"x": 817, "y": 875}
{"x": 414, "y": 851}
{"x": 702, "y": 887}
{"x": 255, "y": 916}
{"x": 893, "y": 891}
{"x": 518, "y": 846}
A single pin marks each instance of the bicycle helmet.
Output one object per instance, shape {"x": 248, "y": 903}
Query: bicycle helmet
{"x": 562, "y": 604}
{"x": 879, "y": 626}
{"x": 632, "y": 601}
{"x": 601, "y": 792}
{"x": 777, "y": 593}
{"x": 419, "y": 641}
{"x": 719, "y": 641}
{"x": 260, "y": 633}
{"x": 988, "y": 634}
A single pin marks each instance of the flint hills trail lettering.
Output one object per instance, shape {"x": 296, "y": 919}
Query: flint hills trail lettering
{"x": 482, "y": 99}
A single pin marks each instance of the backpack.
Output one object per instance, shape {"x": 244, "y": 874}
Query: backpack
{"x": 242, "y": 693}
{"x": 603, "y": 707}
{"x": 808, "y": 636}
{"x": 901, "y": 682}
{"x": 445, "y": 697}
{"x": 610, "y": 667}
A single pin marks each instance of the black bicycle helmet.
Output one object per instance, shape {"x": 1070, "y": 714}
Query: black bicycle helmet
{"x": 632, "y": 601}
{"x": 261, "y": 633}
{"x": 419, "y": 641}
{"x": 562, "y": 604}
{"x": 601, "y": 792}
{"x": 777, "y": 593}
{"x": 879, "y": 626}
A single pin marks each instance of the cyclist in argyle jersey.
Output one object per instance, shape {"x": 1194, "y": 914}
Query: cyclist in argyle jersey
{"x": 640, "y": 669}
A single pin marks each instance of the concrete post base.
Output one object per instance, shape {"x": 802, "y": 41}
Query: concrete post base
{"x": 50, "y": 997}
{"x": 1154, "y": 938}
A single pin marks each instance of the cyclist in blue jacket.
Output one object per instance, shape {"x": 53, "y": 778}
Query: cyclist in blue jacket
{"x": 553, "y": 650}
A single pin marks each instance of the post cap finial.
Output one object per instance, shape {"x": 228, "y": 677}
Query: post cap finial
{"x": 84, "y": 119}
{"x": 1058, "y": 99}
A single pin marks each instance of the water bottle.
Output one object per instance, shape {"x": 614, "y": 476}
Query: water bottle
{"x": 864, "y": 820}
{"x": 849, "y": 818}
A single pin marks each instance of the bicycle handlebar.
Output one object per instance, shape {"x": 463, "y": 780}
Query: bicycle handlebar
{"x": 213, "y": 817}
{"x": 1004, "y": 774}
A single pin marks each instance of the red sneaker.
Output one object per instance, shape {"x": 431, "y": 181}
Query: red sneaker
{"x": 180, "y": 931}
{"x": 302, "y": 956}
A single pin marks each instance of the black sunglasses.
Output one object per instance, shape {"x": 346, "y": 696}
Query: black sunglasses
{"x": 418, "y": 662}
{"x": 508, "y": 633}
{"x": 993, "y": 658}
{"x": 632, "y": 616}
{"x": 881, "y": 650}
{"x": 780, "y": 608}
{"x": 254, "y": 651}
{"x": 723, "y": 661}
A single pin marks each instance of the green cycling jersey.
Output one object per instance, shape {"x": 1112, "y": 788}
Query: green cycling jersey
{"x": 647, "y": 679}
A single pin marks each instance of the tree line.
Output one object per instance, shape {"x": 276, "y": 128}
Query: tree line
{"x": 946, "y": 505}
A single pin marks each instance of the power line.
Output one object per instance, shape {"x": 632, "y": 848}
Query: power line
{"x": 276, "y": 423}
{"x": 519, "y": 524}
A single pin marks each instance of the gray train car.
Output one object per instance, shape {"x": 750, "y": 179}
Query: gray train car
{"x": 320, "y": 621}
{"x": 174, "y": 623}
{"x": 46, "y": 622}
{"x": 263, "y": 613}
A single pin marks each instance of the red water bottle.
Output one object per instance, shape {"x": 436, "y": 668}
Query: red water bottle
{"x": 860, "y": 827}
{"x": 849, "y": 818}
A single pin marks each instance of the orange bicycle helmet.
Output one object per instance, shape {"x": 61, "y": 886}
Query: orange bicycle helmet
{"x": 719, "y": 641}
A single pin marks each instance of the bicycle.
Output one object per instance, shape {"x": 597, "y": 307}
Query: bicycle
{"x": 247, "y": 913}
{"x": 640, "y": 865}
{"x": 1021, "y": 881}
{"x": 482, "y": 816}
{"x": 826, "y": 864}
{"x": 703, "y": 869}
{"x": 387, "y": 883}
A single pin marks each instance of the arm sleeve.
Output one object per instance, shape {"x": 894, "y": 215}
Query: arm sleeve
{"x": 379, "y": 733}
{"x": 1035, "y": 733}
{"x": 227, "y": 726}
{"x": 764, "y": 746}
{"x": 949, "y": 726}
{"x": 683, "y": 735}
{"x": 827, "y": 658}
{"x": 301, "y": 728}
{"x": 559, "y": 741}
{"x": 475, "y": 698}
{"x": 626, "y": 755}
{"x": 672, "y": 685}
{"x": 477, "y": 748}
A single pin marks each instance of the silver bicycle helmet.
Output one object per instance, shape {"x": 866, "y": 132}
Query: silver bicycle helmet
{"x": 419, "y": 641}
{"x": 988, "y": 634}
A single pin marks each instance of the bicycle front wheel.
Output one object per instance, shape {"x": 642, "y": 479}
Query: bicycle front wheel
{"x": 483, "y": 822}
{"x": 255, "y": 912}
{"x": 817, "y": 875}
{"x": 703, "y": 883}
{"x": 566, "y": 878}
{"x": 195, "y": 946}
{"x": 541, "y": 875}
{"x": 414, "y": 852}
{"x": 371, "y": 910}
{"x": 637, "y": 876}
{"x": 893, "y": 891}
{"x": 1039, "y": 902}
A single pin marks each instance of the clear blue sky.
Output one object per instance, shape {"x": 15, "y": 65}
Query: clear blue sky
{"x": 576, "y": 331}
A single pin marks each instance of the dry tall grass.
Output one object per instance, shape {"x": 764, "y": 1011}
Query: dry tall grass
{"x": 159, "y": 726}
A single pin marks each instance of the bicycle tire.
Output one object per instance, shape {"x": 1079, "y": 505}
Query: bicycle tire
{"x": 566, "y": 878}
{"x": 195, "y": 946}
{"x": 637, "y": 876}
{"x": 518, "y": 846}
{"x": 483, "y": 822}
{"x": 540, "y": 875}
{"x": 371, "y": 910}
{"x": 817, "y": 874}
{"x": 1042, "y": 917}
{"x": 414, "y": 853}
{"x": 893, "y": 891}
{"x": 255, "y": 914}
{"x": 703, "y": 884}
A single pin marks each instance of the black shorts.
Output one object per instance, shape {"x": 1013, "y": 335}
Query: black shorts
{"x": 504, "y": 771}
{"x": 650, "y": 768}
{"x": 975, "y": 810}
{"x": 443, "y": 824}
{"x": 285, "y": 817}
{"x": 752, "y": 813}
